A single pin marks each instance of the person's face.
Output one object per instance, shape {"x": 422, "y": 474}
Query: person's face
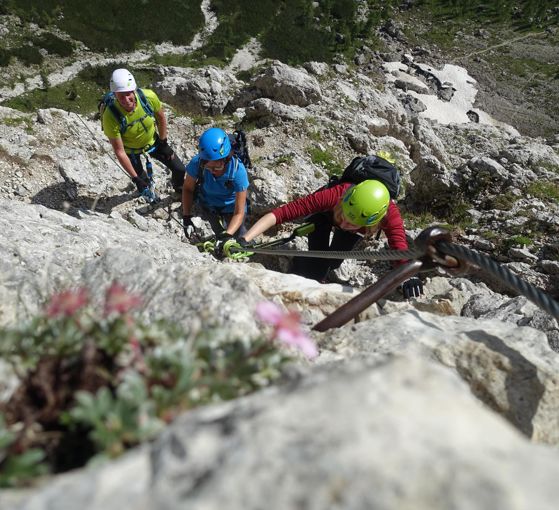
{"x": 127, "y": 100}
{"x": 341, "y": 220}
{"x": 216, "y": 168}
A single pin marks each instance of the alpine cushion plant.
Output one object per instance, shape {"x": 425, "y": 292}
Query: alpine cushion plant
{"x": 104, "y": 379}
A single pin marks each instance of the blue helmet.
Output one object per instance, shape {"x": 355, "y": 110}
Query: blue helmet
{"x": 214, "y": 144}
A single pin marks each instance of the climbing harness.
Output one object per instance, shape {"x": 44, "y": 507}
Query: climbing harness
{"x": 148, "y": 194}
{"x": 433, "y": 248}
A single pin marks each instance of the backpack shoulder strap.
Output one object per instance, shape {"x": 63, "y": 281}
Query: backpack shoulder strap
{"x": 236, "y": 163}
{"x": 145, "y": 103}
{"x": 109, "y": 101}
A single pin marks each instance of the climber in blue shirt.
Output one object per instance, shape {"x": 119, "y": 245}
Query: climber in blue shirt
{"x": 219, "y": 180}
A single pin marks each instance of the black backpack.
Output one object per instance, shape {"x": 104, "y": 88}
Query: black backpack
{"x": 370, "y": 167}
{"x": 239, "y": 145}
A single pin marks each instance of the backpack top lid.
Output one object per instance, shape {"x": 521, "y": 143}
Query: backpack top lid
{"x": 372, "y": 167}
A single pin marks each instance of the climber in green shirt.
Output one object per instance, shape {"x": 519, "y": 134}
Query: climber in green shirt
{"x": 134, "y": 122}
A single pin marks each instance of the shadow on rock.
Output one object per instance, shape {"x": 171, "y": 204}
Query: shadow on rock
{"x": 64, "y": 197}
{"x": 522, "y": 387}
{"x": 54, "y": 197}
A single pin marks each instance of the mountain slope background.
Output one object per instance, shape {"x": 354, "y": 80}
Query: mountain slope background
{"x": 510, "y": 48}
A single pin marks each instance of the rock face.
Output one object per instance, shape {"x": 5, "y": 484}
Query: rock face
{"x": 204, "y": 91}
{"x": 385, "y": 432}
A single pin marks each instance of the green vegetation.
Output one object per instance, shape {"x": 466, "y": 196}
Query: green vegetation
{"x": 110, "y": 381}
{"x": 293, "y": 31}
{"x": 326, "y": 159}
{"x": 18, "y": 467}
{"x": 458, "y": 214}
{"x": 284, "y": 159}
{"x": 455, "y": 215}
{"x": 18, "y": 121}
{"x": 530, "y": 67}
{"x": 528, "y": 14}
{"x": 27, "y": 49}
{"x": 314, "y": 135}
{"x": 80, "y": 95}
{"x": 201, "y": 120}
{"x": 419, "y": 220}
{"x": 26, "y": 54}
{"x": 114, "y": 25}
{"x": 239, "y": 20}
{"x": 502, "y": 202}
{"x": 446, "y": 18}
{"x": 544, "y": 190}
{"x": 515, "y": 241}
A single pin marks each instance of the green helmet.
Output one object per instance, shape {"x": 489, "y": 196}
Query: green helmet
{"x": 366, "y": 203}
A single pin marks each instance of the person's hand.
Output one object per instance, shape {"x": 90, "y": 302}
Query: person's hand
{"x": 246, "y": 244}
{"x": 223, "y": 236}
{"x": 188, "y": 227}
{"x": 220, "y": 240}
{"x": 412, "y": 287}
{"x": 164, "y": 149}
{"x": 141, "y": 184}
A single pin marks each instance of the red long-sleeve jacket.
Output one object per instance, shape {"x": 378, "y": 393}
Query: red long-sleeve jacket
{"x": 325, "y": 200}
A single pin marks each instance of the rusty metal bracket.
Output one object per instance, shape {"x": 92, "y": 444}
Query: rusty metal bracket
{"x": 370, "y": 295}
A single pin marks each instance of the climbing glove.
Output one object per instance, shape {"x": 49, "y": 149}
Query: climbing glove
{"x": 412, "y": 287}
{"x": 141, "y": 184}
{"x": 188, "y": 227}
{"x": 164, "y": 149}
{"x": 244, "y": 243}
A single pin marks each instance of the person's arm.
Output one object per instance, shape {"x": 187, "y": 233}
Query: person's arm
{"x": 393, "y": 227}
{"x": 239, "y": 212}
{"x": 263, "y": 224}
{"x": 188, "y": 194}
{"x": 161, "y": 122}
{"x": 319, "y": 201}
{"x": 122, "y": 157}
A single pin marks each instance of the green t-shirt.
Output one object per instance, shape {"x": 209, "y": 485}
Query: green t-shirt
{"x": 141, "y": 130}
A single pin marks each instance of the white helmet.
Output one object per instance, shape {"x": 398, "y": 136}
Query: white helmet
{"x": 122, "y": 81}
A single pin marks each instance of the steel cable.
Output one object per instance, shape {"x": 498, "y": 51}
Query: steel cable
{"x": 383, "y": 254}
{"x": 534, "y": 294}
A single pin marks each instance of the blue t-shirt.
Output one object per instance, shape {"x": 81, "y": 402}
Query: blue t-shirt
{"x": 219, "y": 193}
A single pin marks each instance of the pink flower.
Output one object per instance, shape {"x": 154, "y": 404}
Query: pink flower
{"x": 118, "y": 300}
{"x": 287, "y": 327}
{"x": 67, "y": 303}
